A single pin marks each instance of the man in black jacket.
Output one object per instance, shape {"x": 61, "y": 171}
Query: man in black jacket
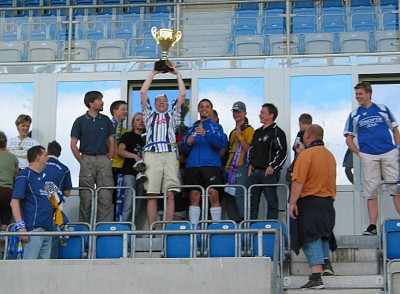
{"x": 267, "y": 155}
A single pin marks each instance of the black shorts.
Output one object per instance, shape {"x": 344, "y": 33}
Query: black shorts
{"x": 204, "y": 176}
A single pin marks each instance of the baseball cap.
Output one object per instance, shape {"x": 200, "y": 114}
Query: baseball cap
{"x": 239, "y": 106}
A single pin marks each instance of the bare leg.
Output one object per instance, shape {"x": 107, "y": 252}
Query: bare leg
{"x": 396, "y": 201}
{"x": 151, "y": 209}
{"x": 373, "y": 210}
{"x": 316, "y": 269}
{"x": 214, "y": 199}
{"x": 170, "y": 205}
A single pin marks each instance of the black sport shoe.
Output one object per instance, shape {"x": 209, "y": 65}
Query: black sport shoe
{"x": 313, "y": 285}
{"x": 327, "y": 270}
{"x": 141, "y": 177}
{"x": 370, "y": 231}
{"x": 139, "y": 166}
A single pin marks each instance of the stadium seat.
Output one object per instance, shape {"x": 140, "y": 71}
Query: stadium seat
{"x": 146, "y": 51}
{"x": 333, "y": 23}
{"x": 221, "y": 245}
{"x": 249, "y": 45}
{"x": 111, "y": 246}
{"x": 81, "y": 50}
{"x": 12, "y": 51}
{"x": 390, "y": 20}
{"x": 387, "y": 41}
{"x": 278, "y": 44}
{"x": 249, "y": 6}
{"x": 360, "y": 3}
{"x": 124, "y": 33}
{"x": 43, "y": 51}
{"x": 10, "y": 35}
{"x": 332, "y": 3}
{"x": 363, "y": 22}
{"x": 273, "y": 25}
{"x": 77, "y": 247}
{"x": 246, "y": 17}
{"x": 354, "y": 42}
{"x": 319, "y": 43}
{"x": 178, "y": 246}
{"x": 304, "y": 4}
{"x": 110, "y": 49}
{"x": 244, "y": 30}
{"x": 304, "y": 24}
{"x": 390, "y": 242}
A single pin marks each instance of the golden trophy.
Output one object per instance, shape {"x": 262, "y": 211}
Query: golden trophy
{"x": 166, "y": 38}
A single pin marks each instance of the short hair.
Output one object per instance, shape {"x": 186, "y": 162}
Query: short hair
{"x": 53, "y": 148}
{"x": 364, "y": 86}
{"x": 205, "y": 100}
{"x": 3, "y": 140}
{"x": 115, "y": 105}
{"x": 34, "y": 152}
{"x": 161, "y": 95}
{"x": 271, "y": 109}
{"x": 305, "y": 119}
{"x": 23, "y": 118}
{"x": 91, "y": 96}
{"x": 317, "y": 131}
{"x": 215, "y": 114}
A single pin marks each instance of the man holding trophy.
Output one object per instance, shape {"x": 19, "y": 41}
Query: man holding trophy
{"x": 160, "y": 154}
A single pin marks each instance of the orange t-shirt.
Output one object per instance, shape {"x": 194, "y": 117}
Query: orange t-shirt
{"x": 315, "y": 168}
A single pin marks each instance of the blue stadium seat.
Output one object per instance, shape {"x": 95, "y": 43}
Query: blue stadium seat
{"x": 390, "y": 242}
{"x": 248, "y": 6}
{"x": 333, "y": 23}
{"x": 111, "y": 246}
{"x": 178, "y": 246}
{"x": 273, "y": 12}
{"x": 332, "y": 3}
{"x": 147, "y": 51}
{"x": 137, "y": 9}
{"x": 363, "y": 22}
{"x": 303, "y": 24}
{"x": 244, "y": 30}
{"x": 277, "y": 5}
{"x": 268, "y": 239}
{"x": 246, "y": 17}
{"x": 10, "y": 35}
{"x": 360, "y": 3}
{"x": 390, "y": 20}
{"x": 76, "y": 246}
{"x": 222, "y": 245}
{"x": 304, "y": 4}
{"x": 273, "y": 25}
{"x": 123, "y": 33}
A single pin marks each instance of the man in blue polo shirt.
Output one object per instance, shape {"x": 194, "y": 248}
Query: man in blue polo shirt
{"x": 95, "y": 154}
{"x": 373, "y": 124}
{"x": 32, "y": 210}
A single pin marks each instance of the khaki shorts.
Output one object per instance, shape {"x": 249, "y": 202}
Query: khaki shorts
{"x": 162, "y": 171}
{"x": 377, "y": 167}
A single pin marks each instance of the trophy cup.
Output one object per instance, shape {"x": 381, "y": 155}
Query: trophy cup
{"x": 166, "y": 38}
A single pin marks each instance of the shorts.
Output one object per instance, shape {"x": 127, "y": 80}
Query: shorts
{"x": 378, "y": 166}
{"x": 204, "y": 176}
{"x": 162, "y": 171}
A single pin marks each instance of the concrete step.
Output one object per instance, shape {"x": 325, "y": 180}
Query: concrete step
{"x": 339, "y": 282}
{"x": 338, "y": 291}
{"x": 357, "y": 241}
{"x": 341, "y": 268}
{"x": 344, "y": 255}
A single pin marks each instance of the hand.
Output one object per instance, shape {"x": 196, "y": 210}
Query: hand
{"x": 239, "y": 132}
{"x": 190, "y": 140}
{"x": 293, "y": 210}
{"x": 24, "y": 239}
{"x": 200, "y": 131}
{"x": 250, "y": 170}
{"x": 299, "y": 147}
{"x": 269, "y": 171}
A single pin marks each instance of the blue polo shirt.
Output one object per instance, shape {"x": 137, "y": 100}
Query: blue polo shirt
{"x": 93, "y": 133}
{"x": 36, "y": 208}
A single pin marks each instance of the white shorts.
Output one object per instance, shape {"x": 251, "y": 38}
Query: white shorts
{"x": 162, "y": 171}
{"x": 377, "y": 167}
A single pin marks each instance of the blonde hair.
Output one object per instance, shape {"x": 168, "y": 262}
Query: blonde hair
{"x": 133, "y": 119}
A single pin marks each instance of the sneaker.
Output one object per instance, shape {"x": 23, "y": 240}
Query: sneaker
{"x": 313, "y": 285}
{"x": 139, "y": 166}
{"x": 370, "y": 231}
{"x": 141, "y": 177}
{"x": 327, "y": 270}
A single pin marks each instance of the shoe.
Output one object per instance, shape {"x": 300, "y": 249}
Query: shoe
{"x": 370, "y": 231}
{"x": 327, "y": 270}
{"x": 139, "y": 166}
{"x": 141, "y": 177}
{"x": 313, "y": 285}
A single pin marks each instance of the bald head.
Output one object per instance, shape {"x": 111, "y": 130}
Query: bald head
{"x": 313, "y": 132}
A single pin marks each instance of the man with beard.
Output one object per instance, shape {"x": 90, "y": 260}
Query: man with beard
{"x": 95, "y": 132}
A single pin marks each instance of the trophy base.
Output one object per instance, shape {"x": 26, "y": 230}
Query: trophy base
{"x": 163, "y": 66}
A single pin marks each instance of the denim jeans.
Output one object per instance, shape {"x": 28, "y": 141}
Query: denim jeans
{"x": 316, "y": 251}
{"x": 241, "y": 179}
{"x": 130, "y": 180}
{"x": 38, "y": 247}
{"x": 270, "y": 193}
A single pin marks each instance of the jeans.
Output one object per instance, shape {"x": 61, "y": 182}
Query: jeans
{"x": 38, "y": 247}
{"x": 130, "y": 180}
{"x": 316, "y": 251}
{"x": 241, "y": 179}
{"x": 270, "y": 193}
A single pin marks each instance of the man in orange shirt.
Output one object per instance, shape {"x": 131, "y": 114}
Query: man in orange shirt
{"x": 311, "y": 204}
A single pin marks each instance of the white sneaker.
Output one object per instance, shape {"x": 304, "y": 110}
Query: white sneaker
{"x": 139, "y": 166}
{"x": 141, "y": 177}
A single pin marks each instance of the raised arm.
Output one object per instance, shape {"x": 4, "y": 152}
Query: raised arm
{"x": 146, "y": 86}
{"x": 181, "y": 86}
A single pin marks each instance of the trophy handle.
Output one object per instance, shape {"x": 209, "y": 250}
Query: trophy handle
{"x": 178, "y": 36}
{"x": 155, "y": 34}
